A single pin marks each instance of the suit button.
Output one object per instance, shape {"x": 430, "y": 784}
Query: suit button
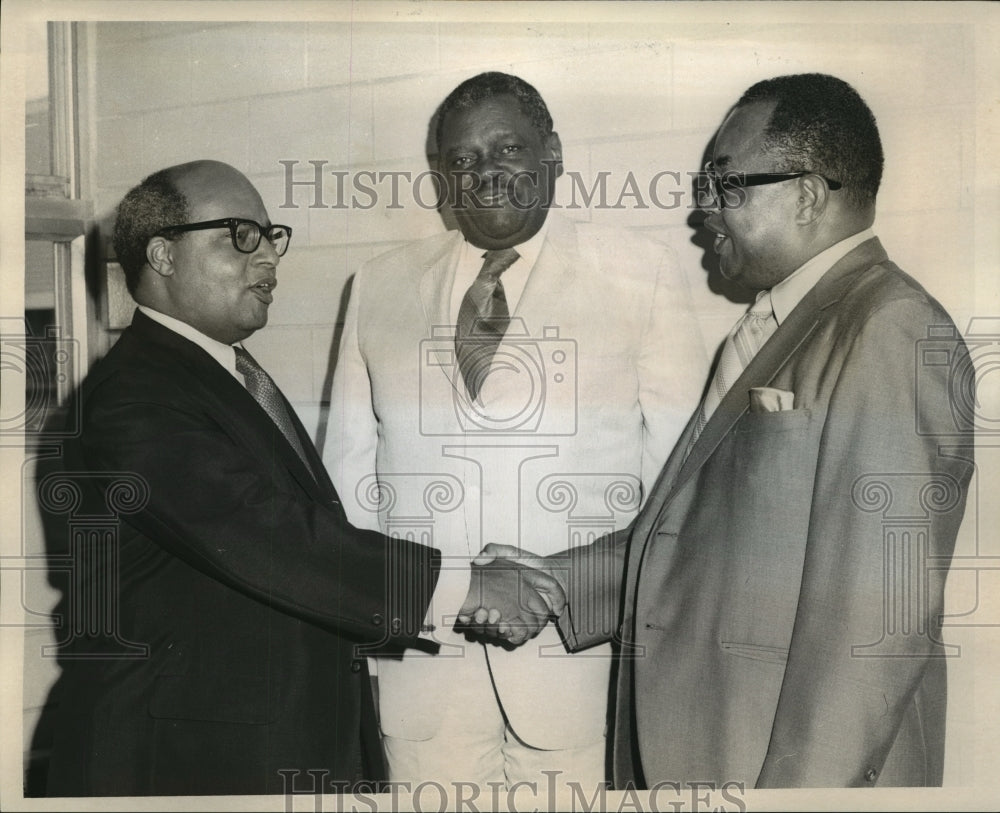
{"x": 355, "y": 666}
{"x": 377, "y": 619}
{"x": 396, "y": 626}
{"x": 871, "y": 774}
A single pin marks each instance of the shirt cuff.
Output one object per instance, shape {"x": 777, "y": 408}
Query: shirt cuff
{"x": 449, "y": 595}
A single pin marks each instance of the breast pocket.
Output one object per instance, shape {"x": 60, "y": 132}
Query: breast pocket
{"x": 789, "y": 420}
{"x": 775, "y": 450}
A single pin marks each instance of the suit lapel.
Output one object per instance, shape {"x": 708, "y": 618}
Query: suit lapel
{"x": 436, "y": 280}
{"x": 437, "y": 277}
{"x": 311, "y": 476}
{"x": 759, "y": 373}
{"x": 235, "y": 409}
{"x": 552, "y": 275}
{"x": 664, "y": 482}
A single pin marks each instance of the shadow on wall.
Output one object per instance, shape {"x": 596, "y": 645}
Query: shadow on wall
{"x": 325, "y": 394}
{"x": 52, "y": 490}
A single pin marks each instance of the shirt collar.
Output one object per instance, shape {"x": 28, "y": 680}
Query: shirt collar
{"x": 790, "y": 291}
{"x": 222, "y": 353}
{"x": 532, "y": 247}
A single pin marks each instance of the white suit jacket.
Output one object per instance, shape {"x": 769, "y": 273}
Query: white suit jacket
{"x": 588, "y": 392}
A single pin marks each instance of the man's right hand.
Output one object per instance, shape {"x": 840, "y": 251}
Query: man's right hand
{"x": 511, "y": 597}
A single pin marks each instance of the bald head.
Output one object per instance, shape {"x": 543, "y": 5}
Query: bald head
{"x": 209, "y": 184}
{"x": 164, "y": 199}
{"x": 198, "y": 276}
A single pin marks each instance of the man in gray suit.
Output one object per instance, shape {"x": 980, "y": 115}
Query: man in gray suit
{"x": 783, "y": 623}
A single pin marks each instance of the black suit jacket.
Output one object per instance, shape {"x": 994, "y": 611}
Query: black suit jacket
{"x": 239, "y": 573}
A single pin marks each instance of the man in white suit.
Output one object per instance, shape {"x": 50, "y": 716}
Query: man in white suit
{"x": 585, "y": 361}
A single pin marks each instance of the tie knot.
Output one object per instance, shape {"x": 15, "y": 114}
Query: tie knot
{"x": 762, "y": 308}
{"x": 497, "y": 261}
{"x": 245, "y": 363}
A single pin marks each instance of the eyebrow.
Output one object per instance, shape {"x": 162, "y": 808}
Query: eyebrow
{"x": 500, "y": 135}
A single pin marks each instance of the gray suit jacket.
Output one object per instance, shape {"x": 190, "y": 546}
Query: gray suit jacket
{"x": 783, "y": 587}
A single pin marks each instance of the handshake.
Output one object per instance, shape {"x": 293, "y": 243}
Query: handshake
{"x": 512, "y": 596}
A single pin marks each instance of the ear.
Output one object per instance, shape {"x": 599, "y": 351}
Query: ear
{"x": 554, "y": 146}
{"x": 814, "y": 195}
{"x": 159, "y": 255}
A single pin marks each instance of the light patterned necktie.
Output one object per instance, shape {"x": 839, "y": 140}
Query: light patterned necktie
{"x": 742, "y": 344}
{"x": 482, "y": 320}
{"x": 265, "y": 392}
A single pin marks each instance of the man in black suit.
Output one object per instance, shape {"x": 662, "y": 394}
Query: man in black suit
{"x": 240, "y": 573}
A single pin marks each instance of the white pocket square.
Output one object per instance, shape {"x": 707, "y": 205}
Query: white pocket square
{"x": 768, "y": 399}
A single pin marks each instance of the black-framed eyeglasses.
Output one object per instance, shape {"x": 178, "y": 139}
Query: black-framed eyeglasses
{"x": 245, "y": 234}
{"x": 729, "y": 181}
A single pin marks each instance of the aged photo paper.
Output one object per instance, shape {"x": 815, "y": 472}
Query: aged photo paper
{"x": 326, "y": 106}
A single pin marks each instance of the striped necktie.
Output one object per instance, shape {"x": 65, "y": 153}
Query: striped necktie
{"x": 754, "y": 328}
{"x": 265, "y": 392}
{"x": 482, "y": 320}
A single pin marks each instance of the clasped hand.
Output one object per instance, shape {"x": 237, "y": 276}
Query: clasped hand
{"x": 511, "y": 597}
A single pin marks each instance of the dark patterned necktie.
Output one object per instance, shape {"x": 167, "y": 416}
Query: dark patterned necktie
{"x": 265, "y": 392}
{"x": 482, "y": 320}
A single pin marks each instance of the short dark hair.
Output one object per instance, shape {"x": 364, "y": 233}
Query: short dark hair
{"x": 820, "y": 123}
{"x": 487, "y": 85}
{"x": 147, "y": 208}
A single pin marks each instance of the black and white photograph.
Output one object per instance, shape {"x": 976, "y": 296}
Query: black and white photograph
{"x": 499, "y": 406}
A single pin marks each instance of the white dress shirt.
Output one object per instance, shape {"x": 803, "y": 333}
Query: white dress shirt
{"x": 470, "y": 262}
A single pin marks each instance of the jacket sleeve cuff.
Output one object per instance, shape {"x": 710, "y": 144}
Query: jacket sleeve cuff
{"x": 591, "y": 576}
{"x": 412, "y": 576}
